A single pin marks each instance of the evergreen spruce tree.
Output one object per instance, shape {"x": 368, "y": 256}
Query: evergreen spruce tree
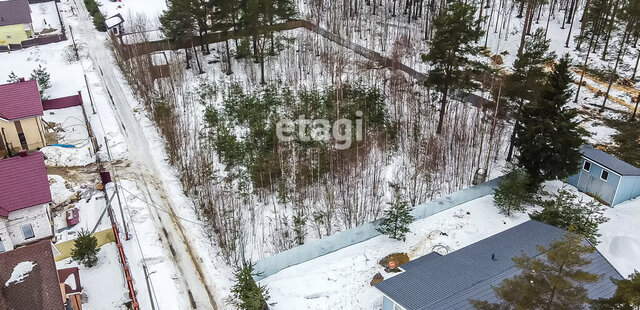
{"x": 549, "y": 137}
{"x": 451, "y": 52}
{"x": 177, "y": 23}
{"x": 13, "y": 78}
{"x": 41, "y": 75}
{"x": 567, "y": 212}
{"x": 554, "y": 281}
{"x": 626, "y": 297}
{"x": 527, "y": 79}
{"x": 397, "y": 219}
{"x": 85, "y": 249}
{"x": 513, "y": 195}
{"x": 248, "y": 294}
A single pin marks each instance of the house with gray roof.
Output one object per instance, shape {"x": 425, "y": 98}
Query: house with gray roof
{"x": 445, "y": 282}
{"x": 15, "y": 22}
{"x": 606, "y": 177}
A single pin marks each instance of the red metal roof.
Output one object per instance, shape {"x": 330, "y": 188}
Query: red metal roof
{"x": 40, "y": 289}
{"x": 23, "y": 183}
{"x": 20, "y": 100}
{"x": 64, "y": 274}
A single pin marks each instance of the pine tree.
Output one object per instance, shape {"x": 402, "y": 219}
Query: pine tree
{"x": 41, "y": 75}
{"x": 554, "y": 281}
{"x": 85, "y": 249}
{"x": 451, "y": 52}
{"x": 549, "y": 137}
{"x": 397, "y": 219}
{"x": 513, "y": 195}
{"x": 13, "y": 78}
{"x": 626, "y": 297}
{"x": 259, "y": 14}
{"x": 248, "y": 294}
{"x": 523, "y": 85}
{"x": 178, "y": 24}
{"x": 567, "y": 212}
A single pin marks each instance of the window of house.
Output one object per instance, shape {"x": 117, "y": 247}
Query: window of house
{"x": 604, "y": 175}
{"x": 586, "y": 166}
{"x": 27, "y": 231}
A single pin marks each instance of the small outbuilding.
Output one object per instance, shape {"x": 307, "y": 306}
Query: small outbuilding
{"x": 606, "y": 177}
{"x": 115, "y": 25}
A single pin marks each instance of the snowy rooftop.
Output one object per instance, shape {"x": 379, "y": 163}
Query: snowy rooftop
{"x": 448, "y": 282}
{"x": 28, "y": 278}
{"x": 113, "y": 21}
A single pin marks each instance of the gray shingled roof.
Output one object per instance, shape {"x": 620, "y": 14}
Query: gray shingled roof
{"x": 14, "y": 12}
{"x": 447, "y": 282}
{"x": 609, "y": 161}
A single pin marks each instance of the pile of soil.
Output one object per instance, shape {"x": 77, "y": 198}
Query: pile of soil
{"x": 376, "y": 279}
{"x": 399, "y": 258}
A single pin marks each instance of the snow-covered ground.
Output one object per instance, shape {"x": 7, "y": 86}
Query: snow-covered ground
{"x": 104, "y": 284}
{"x": 620, "y": 240}
{"x": 340, "y": 280}
{"x": 45, "y": 18}
{"x": 67, "y": 77}
{"x": 71, "y": 130}
{"x": 130, "y": 9}
{"x": 144, "y": 247}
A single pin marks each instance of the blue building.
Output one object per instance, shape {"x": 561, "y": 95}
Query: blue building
{"x": 606, "y": 177}
{"x": 437, "y": 282}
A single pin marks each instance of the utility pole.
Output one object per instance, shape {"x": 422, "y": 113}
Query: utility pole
{"x": 75, "y": 47}
{"x": 86, "y": 81}
{"x": 146, "y": 278}
{"x": 115, "y": 183}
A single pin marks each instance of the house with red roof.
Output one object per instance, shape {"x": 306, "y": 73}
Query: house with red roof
{"x": 25, "y": 212}
{"x": 21, "y": 125}
{"x": 29, "y": 279}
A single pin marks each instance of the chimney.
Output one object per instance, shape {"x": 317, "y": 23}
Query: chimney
{"x": 23, "y": 153}
{"x": 21, "y": 79}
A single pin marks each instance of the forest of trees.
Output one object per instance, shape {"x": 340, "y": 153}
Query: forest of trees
{"x": 421, "y": 140}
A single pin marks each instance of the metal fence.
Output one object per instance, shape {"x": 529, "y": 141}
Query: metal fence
{"x": 33, "y": 42}
{"x": 316, "y": 248}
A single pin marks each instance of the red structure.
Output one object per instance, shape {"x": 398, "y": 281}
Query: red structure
{"x": 63, "y": 102}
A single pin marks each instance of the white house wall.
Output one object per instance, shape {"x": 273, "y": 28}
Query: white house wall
{"x": 7, "y": 244}
{"x": 37, "y": 216}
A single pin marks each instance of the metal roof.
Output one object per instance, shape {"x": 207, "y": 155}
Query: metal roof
{"x": 40, "y": 289}
{"x": 609, "y": 161}
{"x": 23, "y": 183}
{"x": 447, "y": 282}
{"x": 20, "y": 100}
{"x": 14, "y": 12}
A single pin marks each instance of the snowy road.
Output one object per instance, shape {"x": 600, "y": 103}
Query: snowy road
{"x": 145, "y": 172}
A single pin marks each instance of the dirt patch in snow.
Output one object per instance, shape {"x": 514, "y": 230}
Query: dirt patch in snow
{"x": 398, "y": 258}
